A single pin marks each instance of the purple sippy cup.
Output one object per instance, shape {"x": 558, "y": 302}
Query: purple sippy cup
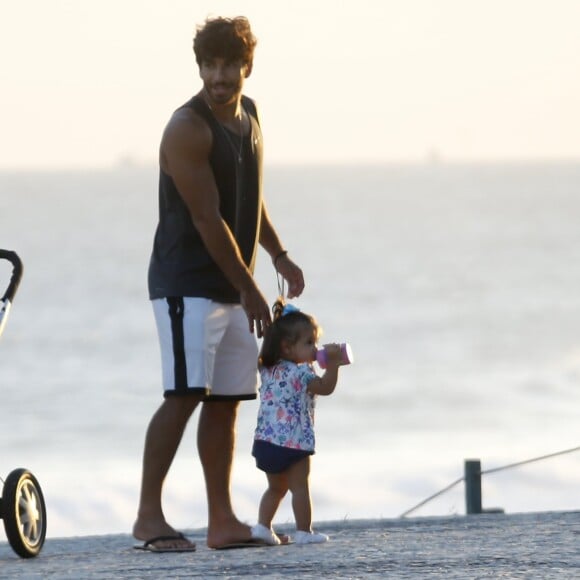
{"x": 345, "y": 358}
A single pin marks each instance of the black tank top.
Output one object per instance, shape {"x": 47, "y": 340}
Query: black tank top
{"x": 180, "y": 265}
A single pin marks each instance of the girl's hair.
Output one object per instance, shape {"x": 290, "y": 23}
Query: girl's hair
{"x": 285, "y": 327}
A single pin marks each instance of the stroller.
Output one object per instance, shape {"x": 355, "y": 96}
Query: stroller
{"x": 22, "y": 504}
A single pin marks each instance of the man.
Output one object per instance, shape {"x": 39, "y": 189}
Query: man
{"x": 206, "y": 303}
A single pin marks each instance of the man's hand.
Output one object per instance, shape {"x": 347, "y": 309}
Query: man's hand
{"x": 256, "y": 309}
{"x": 292, "y": 274}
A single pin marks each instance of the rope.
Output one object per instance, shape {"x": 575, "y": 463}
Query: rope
{"x": 530, "y": 460}
{"x": 432, "y": 497}
{"x": 487, "y": 471}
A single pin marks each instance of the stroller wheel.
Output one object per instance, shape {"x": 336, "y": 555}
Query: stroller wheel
{"x": 24, "y": 513}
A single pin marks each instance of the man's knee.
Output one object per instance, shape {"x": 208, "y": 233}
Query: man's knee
{"x": 222, "y": 411}
{"x": 183, "y": 405}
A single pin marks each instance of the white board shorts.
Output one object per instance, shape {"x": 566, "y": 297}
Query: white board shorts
{"x": 206, "y": 348}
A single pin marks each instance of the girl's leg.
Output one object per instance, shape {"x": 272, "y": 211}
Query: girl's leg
{"x": 273, "y": 496}
{"x": 298, "y": 483}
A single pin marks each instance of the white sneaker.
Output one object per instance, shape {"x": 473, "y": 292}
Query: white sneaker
{"x": 260, "y": 532}
{"x": 302, "y": 537}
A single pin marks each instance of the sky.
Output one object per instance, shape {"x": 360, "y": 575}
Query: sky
{"x": 91, "y": 83}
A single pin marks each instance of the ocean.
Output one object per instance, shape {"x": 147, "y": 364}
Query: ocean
{"x": 456, "y": 286}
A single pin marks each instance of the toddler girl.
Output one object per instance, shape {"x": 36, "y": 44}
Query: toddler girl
{"x": 284, "y": 436}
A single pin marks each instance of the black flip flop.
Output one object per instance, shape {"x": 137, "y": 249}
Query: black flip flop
{"x": 149, "y": 545}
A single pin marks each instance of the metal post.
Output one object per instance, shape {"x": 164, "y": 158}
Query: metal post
{"x": 473, "y": 486}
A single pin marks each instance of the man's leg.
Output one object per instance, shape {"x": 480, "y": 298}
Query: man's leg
{"x": 216, "y": 442}
{"x": 161, "y": 442}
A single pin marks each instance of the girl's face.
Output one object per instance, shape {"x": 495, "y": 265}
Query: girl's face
{"x": 304, "y": 349}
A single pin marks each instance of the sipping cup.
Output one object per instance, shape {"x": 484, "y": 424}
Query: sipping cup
{"x": 345, "y": 355}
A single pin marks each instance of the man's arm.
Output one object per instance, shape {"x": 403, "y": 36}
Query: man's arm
{"x": 184, "y": 155}
{"x": 270, "y": 241}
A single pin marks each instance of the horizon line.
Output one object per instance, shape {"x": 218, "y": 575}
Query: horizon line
{"x": 130, "y": 164}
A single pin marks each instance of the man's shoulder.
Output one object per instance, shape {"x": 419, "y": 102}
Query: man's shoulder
{"x": 186, "y": 119}
{"x": 186, "y": 130}
{"x": 250, "y": 105}
{"x": 187, "y": 113}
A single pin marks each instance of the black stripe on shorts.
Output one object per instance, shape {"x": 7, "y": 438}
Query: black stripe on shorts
{"x": 176, "y": 313}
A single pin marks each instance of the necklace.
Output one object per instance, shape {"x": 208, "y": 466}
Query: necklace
{"x": 225, "y": 131}
{"x": 231, "y": 142}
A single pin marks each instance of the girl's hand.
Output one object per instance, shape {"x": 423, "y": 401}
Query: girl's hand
{"x": 333, "y": 353}
{"x": 326, "y": 384}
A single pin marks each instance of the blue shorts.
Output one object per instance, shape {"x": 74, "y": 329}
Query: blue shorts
{"x": 273, "y": 458}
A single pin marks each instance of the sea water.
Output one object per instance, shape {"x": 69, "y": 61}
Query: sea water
{"x": 455, "y": 285}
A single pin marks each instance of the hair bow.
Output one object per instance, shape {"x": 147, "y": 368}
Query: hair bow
{"x": 288, "y": 309}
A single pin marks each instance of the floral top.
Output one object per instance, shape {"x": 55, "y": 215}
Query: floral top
{"x": 286, "y": 414}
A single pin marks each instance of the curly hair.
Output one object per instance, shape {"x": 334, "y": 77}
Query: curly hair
{"x": 285, "y": 327}
{"x": 228, "y": 38}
